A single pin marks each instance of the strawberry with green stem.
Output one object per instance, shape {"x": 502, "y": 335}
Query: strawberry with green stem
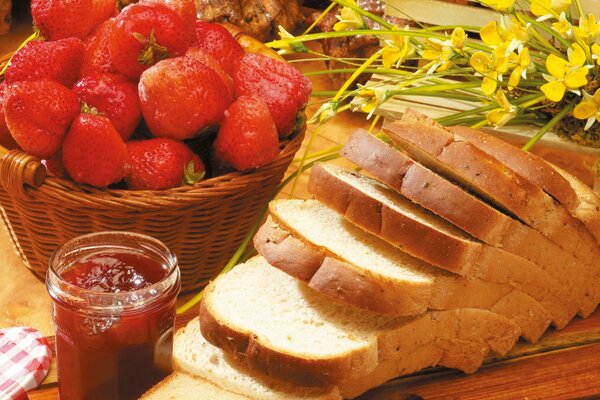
{"x": 144, "y": 35}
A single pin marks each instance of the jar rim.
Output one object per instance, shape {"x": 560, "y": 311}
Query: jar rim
{"x": 56, "y": 285}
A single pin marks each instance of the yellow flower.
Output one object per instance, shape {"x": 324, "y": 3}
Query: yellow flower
{"x": 396, "y": 51}
{"x": 589, "y": 109}
{"x": 490, "y": 67}
{"x": 571, "y": 74}
{"x": 508, "y": 31}
{"x": 349, "y": 19}
{"x": 500, "y": 5}
{"x": 563, "y": 26}
{"x": 588, "y": 29}
{"x": 438, "y": 54}
{"x": 368, "y": 99}
{"x": 325, "y": 112}
{"x": 500, "y": 116}
{"x": 291, "y": 47}
{"x": 458, "y": 38}
{"x": 549, "y": 7}
{"x": 596, "y": 53}
{"x": 522, "y": 61}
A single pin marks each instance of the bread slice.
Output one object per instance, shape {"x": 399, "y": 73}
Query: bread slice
{"x": 346, "y": 283}
{"x": 438, "y": 149}
{"x": 178, "y": 386}
{"x": 282, "y": 327}
{"x": 469, "y": 213}
{"x": 381, "y": 211}
{"x": 577, "y": 198}
{"x": 192, "y": 354}
{"x": 362, "y": 263}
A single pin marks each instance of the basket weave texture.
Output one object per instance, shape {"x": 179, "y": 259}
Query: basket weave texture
{"x": 203, "y": 224}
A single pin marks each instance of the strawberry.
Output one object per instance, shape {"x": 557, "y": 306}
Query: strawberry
{"x": 59, "y": 19}
{"x": 93, "y": 151}
{"x": 216, "y": 40}
{"x": 161, "y": 163}
{"x": 103, "y": 10}
{"x": 58, "y": 61}
{"x": 113, "y": 96}
{"x": 6, "y": 138}
{"x": 54, "y": 166}
{"x": 248, "y": 137}
{"x": 38, "y": 114}
{"x": 96, "y": 58}
{"x": 145, "y": 34}
{"x": 186, "y": 9}
{"x": 180, "y": 97}
{"x": 213, "y": 64}
{"x": 279, "y": 84}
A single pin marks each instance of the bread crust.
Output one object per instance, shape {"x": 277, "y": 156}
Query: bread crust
{"x": 249, "y": 349}
{"x": 438, "y": 195}
{"x": 336, "y": 278}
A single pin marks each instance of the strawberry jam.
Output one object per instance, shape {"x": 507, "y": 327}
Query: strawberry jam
{"x": 114, "y": 310}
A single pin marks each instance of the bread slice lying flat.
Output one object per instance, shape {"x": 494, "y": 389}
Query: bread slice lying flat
{"x": 437, "y": 148}
{"x": 469, "y": 213}
{"x": 179, "y": 385}
{"x": 577, "y": 198}
{"x": 285, "y": 329}
{"x": 383, "y": 212}
{"x": 352, "y": 284}
{"x": 192, "y": 354}
{"x": 367, "y": 256}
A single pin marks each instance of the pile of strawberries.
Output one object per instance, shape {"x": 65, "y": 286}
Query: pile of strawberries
{"x": 111, "y": 97}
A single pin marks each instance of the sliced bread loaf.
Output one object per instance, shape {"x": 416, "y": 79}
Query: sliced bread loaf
{"x": 578, "y": 199}
{"x": 282, "y": 327}
{"x": 438, "y": 149}
{"x": 354, "y": 285}
{"x": 179, "y": 385}
{"x": 469, "y": 213}
{"x": 192, "y": 354}
{"x": 383, "y": 212}
{"x": 357, "y": 256}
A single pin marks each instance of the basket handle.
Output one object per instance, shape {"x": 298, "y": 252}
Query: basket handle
{"x": 18, "y": 168}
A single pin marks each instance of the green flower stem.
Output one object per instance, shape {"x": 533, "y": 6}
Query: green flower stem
{"x": 563, "y": 113}
{"x": 365, "y": 13}
{"x": 480, "y": 124}
{"x": 329, "y": 93}
{"x": 532, "y": 102}
{"x": 579, "y": 8}
{"x": 452, "y": 27}
{"x": 319, "y": 19}
{"x": 240, "y": 251}
{"x": 355, "y": 75}
{"x": 442, "y": 87}
{"x": 375, "y": 32}
{"x": 546, "y": 29}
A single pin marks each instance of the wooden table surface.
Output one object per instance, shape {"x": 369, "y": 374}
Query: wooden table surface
{"x": 563, "y": 365}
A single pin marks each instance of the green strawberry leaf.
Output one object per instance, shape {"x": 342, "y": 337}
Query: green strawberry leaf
{"x": 190, "y": 175}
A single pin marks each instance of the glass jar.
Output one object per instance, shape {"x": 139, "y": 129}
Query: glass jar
{"x": 114, "y": 311}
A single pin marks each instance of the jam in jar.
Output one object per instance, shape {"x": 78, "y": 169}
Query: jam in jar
{"x": 114, "y": 311}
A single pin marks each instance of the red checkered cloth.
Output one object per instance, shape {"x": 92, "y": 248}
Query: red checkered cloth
{"x": 25, "y": 359}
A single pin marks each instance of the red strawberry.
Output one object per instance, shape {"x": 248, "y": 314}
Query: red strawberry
{"x": 96, "y": 58}
{"x": 59, "y": 19}
{"x": 6, "y": 138}
{"x": 161, "y": 163}
{"x": 103, "y": 10}
{"x": 145, "y": 34}
{"x": 248, "y": 137}
{"x": 38, "y": 114}
{"x": 113, "y": 96}
{"x": 180, "y": 97}
{"x": 216, "y": 40}
{"x": 186, "y": 9}
{"x": 58, "y": 61}
{"x": 213, "y": 64}
{"x": 93, "y": 152}
{"x": 279, "y": 84}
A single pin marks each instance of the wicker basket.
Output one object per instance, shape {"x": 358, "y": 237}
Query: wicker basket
{"x": 204, "y": 223}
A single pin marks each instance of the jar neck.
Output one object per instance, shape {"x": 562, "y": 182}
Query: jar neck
{"x": 107, "y": 303}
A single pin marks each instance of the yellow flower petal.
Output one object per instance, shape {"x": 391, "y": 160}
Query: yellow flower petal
{"x": 480, "y": 62}
{"x": 554, "y": 91}
{"x": 585, "y": 109}
{"x": 540, "y": 7}
{"x": 576, "y": 55}
{"x": 597, "y": 97}
{"x": 489, "y": 34}
{"x": 515, "y": 78}
{"x": 556, "y": 66}
{"x": 458, "y": 38}
{"x": 390, "y": 55}
{"x": 576, "y": 79}
{"x": 488, "y": 85}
